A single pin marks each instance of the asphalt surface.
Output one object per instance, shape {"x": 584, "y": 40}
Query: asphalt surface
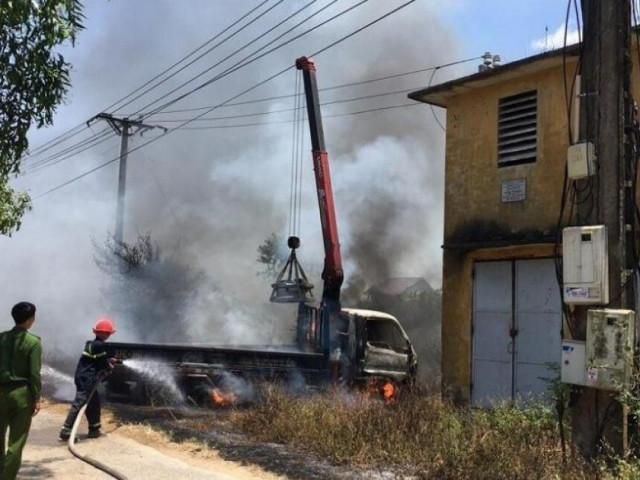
{"x": 45, "y": 457}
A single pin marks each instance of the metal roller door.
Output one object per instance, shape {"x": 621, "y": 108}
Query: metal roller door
{"x": 516, "y": 325}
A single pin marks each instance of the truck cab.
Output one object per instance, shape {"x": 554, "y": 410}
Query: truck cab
{"x": 367, "y": 344}
{"x": 383, "y": 348}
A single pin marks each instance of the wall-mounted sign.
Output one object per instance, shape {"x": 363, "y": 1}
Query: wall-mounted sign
{"x": 514, "y": 190}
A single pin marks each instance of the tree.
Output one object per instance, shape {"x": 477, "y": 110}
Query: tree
{"x": 149, "y": 291}
{"x": 272, "y": 253}
{"x": 34, "y": 79}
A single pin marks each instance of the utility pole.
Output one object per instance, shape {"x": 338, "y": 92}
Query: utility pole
{"x": 605, "y": 120}
{"x": 125, "y": 128}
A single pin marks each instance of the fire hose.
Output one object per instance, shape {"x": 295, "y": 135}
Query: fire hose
{"x": 72, "y": 438}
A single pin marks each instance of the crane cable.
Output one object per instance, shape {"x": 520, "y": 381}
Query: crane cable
{"x": 72, "y": 439}
{"x": 295, "y": 197}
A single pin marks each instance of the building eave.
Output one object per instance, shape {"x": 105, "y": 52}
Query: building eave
{"x": 439, "y": 95}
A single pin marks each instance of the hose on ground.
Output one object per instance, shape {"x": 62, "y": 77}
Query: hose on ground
{"x": 85, "y": 458}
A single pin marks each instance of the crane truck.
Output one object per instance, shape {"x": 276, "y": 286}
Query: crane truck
{"x": 333, "y": 344}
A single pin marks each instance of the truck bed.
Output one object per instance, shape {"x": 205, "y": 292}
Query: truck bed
{"x": 255, "y": 360}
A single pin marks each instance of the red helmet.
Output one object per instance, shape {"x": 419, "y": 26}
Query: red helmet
{"x": 104, "y": 325}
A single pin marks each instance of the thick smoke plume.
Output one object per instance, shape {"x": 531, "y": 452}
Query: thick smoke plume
{"x": 210, "y": 197}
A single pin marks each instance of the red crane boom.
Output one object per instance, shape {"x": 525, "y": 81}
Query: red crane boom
{"x": 332, "y": 274}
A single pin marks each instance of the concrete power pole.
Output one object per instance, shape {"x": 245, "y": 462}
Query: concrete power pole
{"x": 125, "y": 128}
{"x": 605, "y": 117}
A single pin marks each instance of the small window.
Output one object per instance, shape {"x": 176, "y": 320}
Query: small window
{"x": 517, "y": 129}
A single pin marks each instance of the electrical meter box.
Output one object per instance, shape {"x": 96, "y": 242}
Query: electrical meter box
{"x": 581, "y": 160}
{"x": 609, "y": 352}
{"x": 573, "y": 367}
{"x": 585, "y": 265}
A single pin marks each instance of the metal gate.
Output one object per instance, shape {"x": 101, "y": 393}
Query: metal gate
{"x": 517, "y": 320}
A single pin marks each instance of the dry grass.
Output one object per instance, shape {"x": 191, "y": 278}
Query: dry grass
{"x": 419, "y": 435}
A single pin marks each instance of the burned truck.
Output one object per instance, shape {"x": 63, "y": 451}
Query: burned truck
{"x": 333, "y": 344}
{"x": 371, "y": 350}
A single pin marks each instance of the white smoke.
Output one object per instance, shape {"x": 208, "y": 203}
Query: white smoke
{"x": 215, "y": 195}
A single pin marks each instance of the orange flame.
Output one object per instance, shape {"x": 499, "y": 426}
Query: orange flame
{"x": 376, "y": 390}
{"x": 389, "y": 393}
{"x": 222, "y": 399}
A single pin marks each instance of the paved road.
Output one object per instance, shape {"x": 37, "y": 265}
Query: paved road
{"x": 47, "y": 458}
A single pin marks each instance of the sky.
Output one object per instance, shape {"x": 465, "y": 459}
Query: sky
{"x": 209, "y": 196}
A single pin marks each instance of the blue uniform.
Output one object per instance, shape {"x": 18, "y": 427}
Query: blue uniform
{"x": 93, "y": 361}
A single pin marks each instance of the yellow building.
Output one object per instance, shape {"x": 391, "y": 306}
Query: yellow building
{"x": 507, "y": 135}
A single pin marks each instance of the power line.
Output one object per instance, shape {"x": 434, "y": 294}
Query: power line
{"x": 57, "y": 140}
{"x": 376, "y": 109}
{"x": 82, "y": 127}
{"x": 238, "y": 65}
{"x": 335, "y": 87}
{"x": 199, "y": 57}
{"x": 232, "y": 69}
{"x": 323, "y": 104}
{"x": 83, "y": 146}
{"x": 247, "y": 59}
{"x": 244, "y": 92}
{"x": 278, "y": 97}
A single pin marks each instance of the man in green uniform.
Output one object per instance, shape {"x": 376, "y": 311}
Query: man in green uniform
{"x": 20, "y": 385}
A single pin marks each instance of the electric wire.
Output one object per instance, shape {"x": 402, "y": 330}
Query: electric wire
{"x": 568, "y": 315}
{"x": 74, "y": 130}
{"x": 242, "y": 125}
{"x": 278, "y": 97}
{"x": 238, "y": 65}
{"x": 326, "y": 6}
{"x": 233, "y": 69}
{"x": 433, "y": 111}
{"x": 284, "y": 110}
{"x": 82, "y": 143}
{"x": 45, "y": 147}
{"x": 245, "y": 59}
{"x": 335, "y": 87}
{"x": 244, "y": 92}
{"x": 249, "y": 60}
{"x": 77, "y": 150}
{"x": 142, "y": 109}
{"x": 193, "y": 52}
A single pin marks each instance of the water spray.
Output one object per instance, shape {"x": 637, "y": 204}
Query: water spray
{"x": 158, "y": 373}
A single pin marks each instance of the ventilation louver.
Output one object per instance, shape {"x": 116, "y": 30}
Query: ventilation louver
{"x": 517, "y": 129}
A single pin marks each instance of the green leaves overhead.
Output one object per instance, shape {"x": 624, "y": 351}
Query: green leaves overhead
{"x": 33, "y": 81}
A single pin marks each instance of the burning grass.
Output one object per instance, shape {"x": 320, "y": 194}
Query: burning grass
{"x": 418, "y": 435}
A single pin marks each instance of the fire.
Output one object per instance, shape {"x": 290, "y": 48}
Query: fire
{"x": 389, "y": 392}
{"x": 222, "y": 399}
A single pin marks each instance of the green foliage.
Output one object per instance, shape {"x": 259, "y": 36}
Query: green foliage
{"x": 34, "y": 79}
{"x": 12, "y": 206}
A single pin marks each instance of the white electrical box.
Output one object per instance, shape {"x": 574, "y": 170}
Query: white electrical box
{"x": 585, "y": 265}
{"x": 609, "y": 352}
{"x": 581, "y": 160}
{"x": 573, "y": 367}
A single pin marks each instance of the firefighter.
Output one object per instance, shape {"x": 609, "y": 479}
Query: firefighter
{"x": 20, "y": 386}
{"x": 93, "y": 365}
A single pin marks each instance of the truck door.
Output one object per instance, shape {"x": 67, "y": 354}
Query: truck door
{"x": 386, "y": 349}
